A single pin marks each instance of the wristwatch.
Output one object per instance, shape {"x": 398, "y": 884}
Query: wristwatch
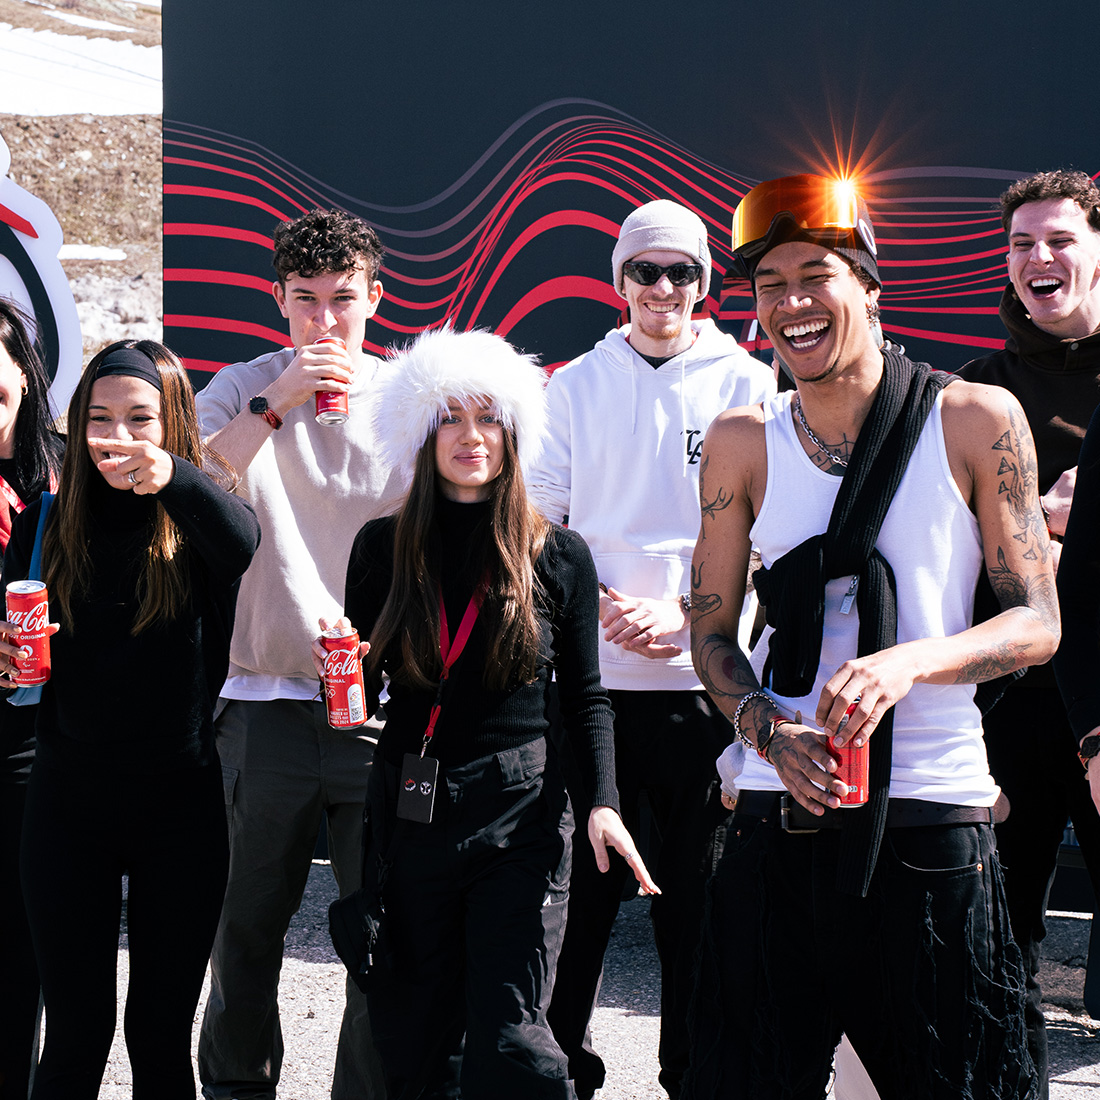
{"x": 260, "y": 407}
{"x": 1090, "y": 747}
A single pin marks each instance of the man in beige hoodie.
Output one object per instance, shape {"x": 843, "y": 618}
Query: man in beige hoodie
{"x": 313, "y": 486}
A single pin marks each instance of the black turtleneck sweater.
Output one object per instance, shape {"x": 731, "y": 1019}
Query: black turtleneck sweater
{"x": 475, "y": 721}
{"x": 142, "y": 704}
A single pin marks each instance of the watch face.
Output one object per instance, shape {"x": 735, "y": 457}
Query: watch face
{"x": 258, "y": 405}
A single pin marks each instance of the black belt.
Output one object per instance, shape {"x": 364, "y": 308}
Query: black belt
{"x": 903, "y": 813}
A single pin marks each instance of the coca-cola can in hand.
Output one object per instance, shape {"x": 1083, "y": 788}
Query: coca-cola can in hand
{"x": 332, "y": 407}
{"x": 853, "y": 768}
{"x": 28, "y": 610}
{"x": 343, "y": 680}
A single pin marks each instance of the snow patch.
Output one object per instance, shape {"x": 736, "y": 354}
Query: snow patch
{"x": 82, "y": 21}
{"x": 59, "y": 74}
{"x": 89, "y": 252}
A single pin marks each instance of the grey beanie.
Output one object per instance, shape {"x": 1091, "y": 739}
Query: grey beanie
{"x": 662, "y": 226}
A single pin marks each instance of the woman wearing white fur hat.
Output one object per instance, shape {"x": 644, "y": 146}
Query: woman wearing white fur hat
{"x": 471, "y": 601}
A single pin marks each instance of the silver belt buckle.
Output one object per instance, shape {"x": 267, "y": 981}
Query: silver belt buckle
{"x": 785, "y": 817}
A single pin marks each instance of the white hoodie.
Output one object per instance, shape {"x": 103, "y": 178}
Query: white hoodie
{"x": 622, "y": 462}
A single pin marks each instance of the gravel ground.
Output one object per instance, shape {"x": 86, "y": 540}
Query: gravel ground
{"x": 627, "y": 1022}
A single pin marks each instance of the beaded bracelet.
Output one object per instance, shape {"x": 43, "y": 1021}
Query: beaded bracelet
{"x": 745, "y": 700}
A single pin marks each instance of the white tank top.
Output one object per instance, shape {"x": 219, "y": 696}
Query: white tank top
{"x": 932, "y": 542}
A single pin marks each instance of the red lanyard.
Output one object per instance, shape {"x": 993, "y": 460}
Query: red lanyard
{"x": 451, "y": 651}
{"x": 17, "y": 506}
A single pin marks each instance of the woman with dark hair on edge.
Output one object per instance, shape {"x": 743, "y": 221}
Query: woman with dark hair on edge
{"x": 141, "y": 556}
{"x": 471, "y": 601}
{"x": 30, "y": 460}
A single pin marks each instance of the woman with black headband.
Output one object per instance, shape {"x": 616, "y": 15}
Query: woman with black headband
{"x": 471, "y": 602}
{"x": 30, "y": 460}
{"x": 141, "y": 555}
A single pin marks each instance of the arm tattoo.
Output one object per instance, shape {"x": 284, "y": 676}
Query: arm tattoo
{"x": 1019, "y": 474}
{"x": 710, "y": 508}
{"x": 723, "y": 669}
{"x": 755, "y": 562}
{"x": 1008, "y": 585}
{"x": 1043, "y": 598}
{"x": 1035, "y": 594}
{"x": 705, "y": 603}
{"x": 702, "y": 603}
{"x": 988, "y": 664}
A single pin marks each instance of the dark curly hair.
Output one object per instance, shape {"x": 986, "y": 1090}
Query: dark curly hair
{"x": 323, "y": 242}
{"x": 1059, "y": 184}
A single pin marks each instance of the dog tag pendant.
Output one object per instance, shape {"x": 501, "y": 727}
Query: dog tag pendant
{"x": 849, "y": 596}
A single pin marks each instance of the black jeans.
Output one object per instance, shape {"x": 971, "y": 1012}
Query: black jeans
{"x": 1032, "y": 755}
{"x": 922, "y": 974}
{"x": 475, "y": 907}
{"x": 666, "y": 743}
{"x": 81, "y": 834}
{"x": 18, "y": 971}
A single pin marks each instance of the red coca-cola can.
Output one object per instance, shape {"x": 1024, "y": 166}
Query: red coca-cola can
{"x": 28, "y": 610}
{"x": 332, "y": 407}
{"x": 853, "y": 768}
{"x": 343, "y": 680}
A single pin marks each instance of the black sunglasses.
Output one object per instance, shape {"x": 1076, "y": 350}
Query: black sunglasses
{"x": 647, "y": 274}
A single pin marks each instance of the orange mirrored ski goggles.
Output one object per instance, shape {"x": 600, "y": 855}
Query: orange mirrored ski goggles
{"x": 815, "y": 204}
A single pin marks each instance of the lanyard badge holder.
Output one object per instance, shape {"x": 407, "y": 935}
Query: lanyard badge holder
{"x": 420, "y": 774}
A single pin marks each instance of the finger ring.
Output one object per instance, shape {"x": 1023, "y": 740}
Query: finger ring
{"x": 133, "y": 480}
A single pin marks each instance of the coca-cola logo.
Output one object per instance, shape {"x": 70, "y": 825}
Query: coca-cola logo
{"x": 33, "y": 620}
{"x": 340, "y": 663}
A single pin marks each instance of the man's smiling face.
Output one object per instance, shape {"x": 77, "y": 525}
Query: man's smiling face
{"x": 660, "y": 315}
{"x": 1054, "y": 265}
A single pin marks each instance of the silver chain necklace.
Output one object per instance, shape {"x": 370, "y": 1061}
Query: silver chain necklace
{"x": 813, "y": 438}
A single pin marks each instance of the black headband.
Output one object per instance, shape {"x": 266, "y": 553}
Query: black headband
{"x": 132, "y": 363}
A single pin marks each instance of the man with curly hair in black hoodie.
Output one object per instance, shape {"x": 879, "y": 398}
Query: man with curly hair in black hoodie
{"x": 1051, "y": 363}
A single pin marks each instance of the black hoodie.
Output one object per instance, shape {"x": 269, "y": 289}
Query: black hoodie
{"x": 1057, "y": 382}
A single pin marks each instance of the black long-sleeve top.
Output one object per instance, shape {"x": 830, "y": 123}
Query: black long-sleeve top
{"x": 1077, "y": 662}
{"x": 476, "y": 721}
{"x": 142, "y": 704}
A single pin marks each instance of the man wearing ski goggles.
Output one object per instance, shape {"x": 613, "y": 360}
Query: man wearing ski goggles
{"x": 874, "y": 492}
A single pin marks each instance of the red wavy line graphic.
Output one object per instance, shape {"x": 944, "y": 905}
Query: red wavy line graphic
{"x": 526, "y": 231}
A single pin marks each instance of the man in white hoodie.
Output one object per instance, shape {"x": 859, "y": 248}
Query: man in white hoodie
{"x": 622, "y": 468}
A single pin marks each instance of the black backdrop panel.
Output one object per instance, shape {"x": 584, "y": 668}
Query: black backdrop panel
{"x": 496, "y": 147}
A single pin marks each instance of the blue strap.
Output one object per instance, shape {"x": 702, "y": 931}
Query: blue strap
{"x": 29, "y": 696}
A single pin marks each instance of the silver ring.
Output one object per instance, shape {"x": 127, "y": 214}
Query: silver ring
{"x": 133, "y": 480}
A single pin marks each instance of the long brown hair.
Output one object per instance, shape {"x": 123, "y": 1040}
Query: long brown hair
{"x": 410, "y": 615}
{"x": 163, "y": 586}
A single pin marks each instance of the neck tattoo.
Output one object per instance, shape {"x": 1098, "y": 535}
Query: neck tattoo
{"x": 836, "y": 459}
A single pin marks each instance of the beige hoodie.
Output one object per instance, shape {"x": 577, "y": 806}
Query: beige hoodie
{"x": 312, "y": 487}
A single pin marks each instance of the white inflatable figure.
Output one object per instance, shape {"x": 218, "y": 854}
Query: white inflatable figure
{"x": 31, "y": 275}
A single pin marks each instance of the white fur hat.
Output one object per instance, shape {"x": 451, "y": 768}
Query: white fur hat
{"x": 442, "y": 365}
{"x": 662, "y": 226}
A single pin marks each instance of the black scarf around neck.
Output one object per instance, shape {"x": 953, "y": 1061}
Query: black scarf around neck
{"x": 793, "y": 589}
